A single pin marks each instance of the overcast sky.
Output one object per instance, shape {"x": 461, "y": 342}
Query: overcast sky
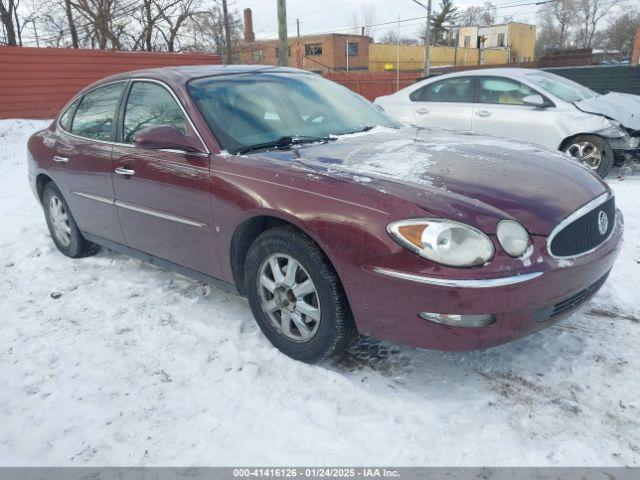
{"x": 334, "y": 15}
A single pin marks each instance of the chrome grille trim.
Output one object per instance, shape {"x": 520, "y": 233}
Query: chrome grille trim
{"x": 586, "y": 208}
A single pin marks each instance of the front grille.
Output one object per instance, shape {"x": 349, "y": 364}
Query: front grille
{"x": 570, "y": 303}
{"x": 583, "y": 234}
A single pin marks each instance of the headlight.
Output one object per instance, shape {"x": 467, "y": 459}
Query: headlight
{"x": 513, "y": 237}
{"x": 443, "y": 241}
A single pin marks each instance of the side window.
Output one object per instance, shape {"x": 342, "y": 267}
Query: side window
{"x": 65, "y": 118}
{"x": 150, "y": 104}
{"x": 503, "y": 91}
{"x": 450, "y": 90}
{"x": 94, "y": 116}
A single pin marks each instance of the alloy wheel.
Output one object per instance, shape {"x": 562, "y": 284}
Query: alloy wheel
{"x": 59, "y": 220}
{"x": 289, "y": 297}
{"x": 587, "y": 153}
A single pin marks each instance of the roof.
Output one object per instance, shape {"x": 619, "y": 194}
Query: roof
{"x": 185, "y": 73}
{"x": 512, "y": 72}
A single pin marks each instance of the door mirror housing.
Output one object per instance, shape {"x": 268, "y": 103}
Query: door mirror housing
{"x": 160, "y": 137}
{"x": 536, "y": 101}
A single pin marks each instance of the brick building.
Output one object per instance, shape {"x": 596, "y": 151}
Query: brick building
{"x": 318, "y": 53}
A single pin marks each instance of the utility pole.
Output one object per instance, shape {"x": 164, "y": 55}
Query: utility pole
{"x": 298, "y": 26}
{"x": 227, "y": 33}
{"x": 283, "y": 57}
{"x": 427, "y": 36}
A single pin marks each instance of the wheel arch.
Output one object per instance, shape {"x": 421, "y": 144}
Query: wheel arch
{"x": 41, "y": 181}
{"x": 245, "y": 234}
{"x": 565, "y": 143}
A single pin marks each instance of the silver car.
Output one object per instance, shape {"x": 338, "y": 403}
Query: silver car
{"x": 533, "y": 106}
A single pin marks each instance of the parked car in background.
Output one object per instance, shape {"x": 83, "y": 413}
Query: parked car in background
{"x": 326, "y": 213}
{"x": 529, "y": 105}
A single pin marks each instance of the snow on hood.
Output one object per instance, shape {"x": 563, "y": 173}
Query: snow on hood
{"x": 461, "y": 175}
{"x": 621, "y": 107}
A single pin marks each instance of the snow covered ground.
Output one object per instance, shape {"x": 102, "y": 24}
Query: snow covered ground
{"x": 132, "y": 365}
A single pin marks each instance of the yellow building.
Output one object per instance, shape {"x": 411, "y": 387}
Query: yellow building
{"x": 384, "y": 56}
{"x": 518, "y": 39}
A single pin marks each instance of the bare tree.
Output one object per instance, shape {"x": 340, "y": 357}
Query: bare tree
{"x": 175, "y": 18}
{"x": 392, "y": 37}
{"x": 363, "y": 21}
{"x": 209, "y": 33}
{"x": 478, "y": 15}
{"x": 8, "y": 12}
{"x": 590, "y": 13}
{"x": 619, "y": 33}
{"x": 105, "y": 21}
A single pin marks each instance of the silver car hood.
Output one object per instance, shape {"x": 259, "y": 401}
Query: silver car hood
{"x": 621, "y": 107}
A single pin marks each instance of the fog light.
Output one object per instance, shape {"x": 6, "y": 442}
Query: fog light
{"x": 454, "y": 320}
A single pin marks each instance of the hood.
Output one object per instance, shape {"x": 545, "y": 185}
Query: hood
{"x": 474, "y": 179}
{"x": 621, "y": 107}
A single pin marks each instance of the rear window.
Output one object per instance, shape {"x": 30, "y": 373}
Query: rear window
{"x": 67, "y": 115}
{"x": 94, "y": 116}
{"x": 456, "y": 90}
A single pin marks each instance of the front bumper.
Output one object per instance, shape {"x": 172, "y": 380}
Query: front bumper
{"x": 523, "y": 302}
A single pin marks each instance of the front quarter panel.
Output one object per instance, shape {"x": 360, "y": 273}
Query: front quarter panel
{"x": 347, "y": 220}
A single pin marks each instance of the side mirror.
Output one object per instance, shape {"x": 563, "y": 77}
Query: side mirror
{"x": 536, "y": 101}
{"x": 160, "y": 137}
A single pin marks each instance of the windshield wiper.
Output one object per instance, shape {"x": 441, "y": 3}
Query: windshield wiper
{"x": 283, "y": 142}
{"x": 359, "y": 130}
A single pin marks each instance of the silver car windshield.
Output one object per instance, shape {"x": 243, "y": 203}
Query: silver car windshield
{"x": 253, "y": 110}
{"x": 561, "y": 87}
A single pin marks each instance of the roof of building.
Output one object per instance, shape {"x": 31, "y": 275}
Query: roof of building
{"x": 307, "y": 37}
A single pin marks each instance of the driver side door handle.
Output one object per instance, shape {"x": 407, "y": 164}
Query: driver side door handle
{"x": 422, "y": 111}
{"x": 125, "y": 171}
{"x": 483, "y": 113}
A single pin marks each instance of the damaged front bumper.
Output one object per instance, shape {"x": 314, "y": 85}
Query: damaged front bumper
{"x": 626, "y": 149}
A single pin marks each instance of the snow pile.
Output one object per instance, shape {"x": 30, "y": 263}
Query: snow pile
{"x": 110, "y": 361}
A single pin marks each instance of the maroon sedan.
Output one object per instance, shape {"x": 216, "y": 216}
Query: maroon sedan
{"x": 328, "y": 215}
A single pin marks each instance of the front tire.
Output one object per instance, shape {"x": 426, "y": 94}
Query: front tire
{"x": 62, "y": 226}
{"x": 296, "y": 296}
{"x": 593, "y": 151}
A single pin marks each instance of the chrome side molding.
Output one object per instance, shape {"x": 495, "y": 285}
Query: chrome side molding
{"x": 140, "y": 209}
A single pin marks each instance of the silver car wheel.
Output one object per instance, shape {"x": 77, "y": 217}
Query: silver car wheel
{"x": 59, "y": 220}
{"x": 289, "y": 297}
{"x": 587, "y": 153}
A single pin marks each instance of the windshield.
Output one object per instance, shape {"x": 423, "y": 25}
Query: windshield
{"x": 247, "y": 110}
{"x": 563, "y": 88}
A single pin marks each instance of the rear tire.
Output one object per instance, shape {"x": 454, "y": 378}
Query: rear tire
{"x": 62, "y": 226}
{"x": 296, "y": 296}
{"x": 593, "y": 151}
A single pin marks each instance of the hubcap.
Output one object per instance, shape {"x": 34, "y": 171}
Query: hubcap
{"x": 289, "y": 297}
{"x": 59, "y": 220}
{"x": 587, "y": 153}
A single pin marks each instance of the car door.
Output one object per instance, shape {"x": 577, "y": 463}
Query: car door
{"x": 163, "y": 196}
{"x": 445, "y": 103}
{"x": 499, "y": 110}
{"x": 82, "y": 164}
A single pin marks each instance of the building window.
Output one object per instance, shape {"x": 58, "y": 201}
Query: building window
{"x": 352, "y": 49}
{"x": 257, "y": 55}
{"x": 501, "y": 40}
{"x": 313, "y": 49}
{"x": 467, "y": 41}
